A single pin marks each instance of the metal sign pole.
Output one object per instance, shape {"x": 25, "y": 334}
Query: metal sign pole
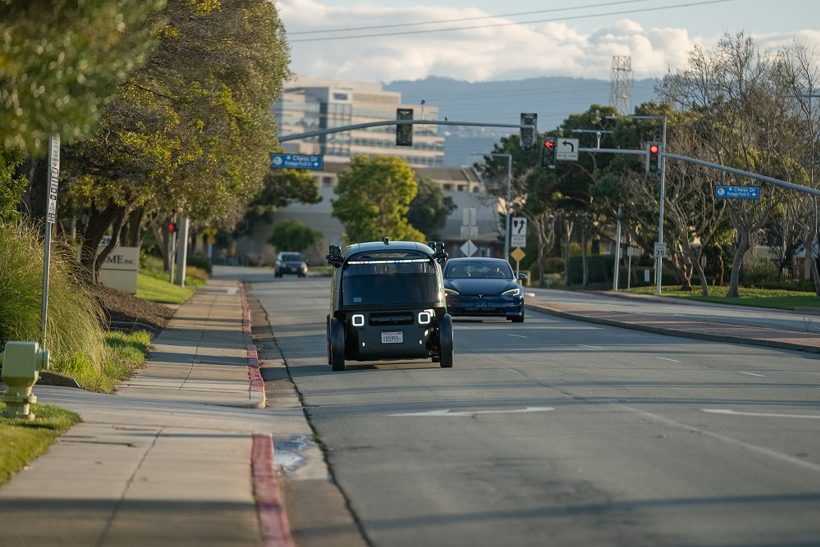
{"x": 51, "y": 217}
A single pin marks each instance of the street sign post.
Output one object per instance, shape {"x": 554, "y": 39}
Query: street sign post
{"x": 518, "y": 255}
{"x": 660, "y": 250}
{"x": 566, "y": 149}
{"x": 518, "y": 235}
{"x": 738, "y": 192}
{"x": 469, "y": 248}
{"x": 51, "y": 218}
{"x": 296, "y": 161}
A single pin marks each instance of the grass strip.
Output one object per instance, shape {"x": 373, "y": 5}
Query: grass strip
{"x": 159, "y": 290}
{"x": 759, "y": 298}
{"x": 21, "y": 441}
{"x": 123, "y": 353}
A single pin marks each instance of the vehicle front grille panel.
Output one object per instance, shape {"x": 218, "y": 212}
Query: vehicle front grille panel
{"x": 394, "y": 318}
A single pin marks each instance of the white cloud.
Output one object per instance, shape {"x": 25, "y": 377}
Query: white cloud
{"x": 498, "y": 52}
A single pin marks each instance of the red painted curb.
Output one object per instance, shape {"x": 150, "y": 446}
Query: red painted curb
{"x": 257, "y": 384}
{"x": 273, "y": 521}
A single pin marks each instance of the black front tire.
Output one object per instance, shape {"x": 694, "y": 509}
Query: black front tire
{"x": 337, "y": 345}
{"x": 519, "y": 319}
{"x": 446, "y": 346}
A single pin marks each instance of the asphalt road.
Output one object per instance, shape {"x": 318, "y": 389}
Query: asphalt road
{"x": 556, "y": 432}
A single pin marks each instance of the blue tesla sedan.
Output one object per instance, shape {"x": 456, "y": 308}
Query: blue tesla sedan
{"x": 483, "y": 287}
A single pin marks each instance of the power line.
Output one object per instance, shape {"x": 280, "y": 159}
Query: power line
{"x": 556, "y": 19}
{"x": 442, "y": 21}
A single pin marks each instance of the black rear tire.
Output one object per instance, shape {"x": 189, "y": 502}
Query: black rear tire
{"x": 337, "y": 345}
{"x": 445, "y": 335}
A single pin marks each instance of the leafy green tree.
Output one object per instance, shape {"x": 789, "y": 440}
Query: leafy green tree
{"x": 11, "y": 185}
{"x": 62, "y": 62}
{"x": 374, "y": 197}
{"x": 430, "y": 208}
{"x": 293, "y": 235}
{"x": 191, "y": 130}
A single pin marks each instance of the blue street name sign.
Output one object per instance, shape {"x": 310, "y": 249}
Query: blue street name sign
{"x": 741, "y": 192}
{"x": 296, "y": 161}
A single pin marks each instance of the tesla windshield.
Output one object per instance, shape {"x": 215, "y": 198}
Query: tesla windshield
{"x": 389, "y": 278}
{"x": 479, "y": 269}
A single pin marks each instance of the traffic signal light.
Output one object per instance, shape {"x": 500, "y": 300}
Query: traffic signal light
{"x": 653, "y": 157}
{"x": 548, "y": 153}
{"x": 172, "y": 227}
{"x": 404, "y": 132}
{"x": 529, "y": 136}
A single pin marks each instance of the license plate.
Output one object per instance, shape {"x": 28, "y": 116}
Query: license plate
{"x": 480, "y": 304}
{"x": 392, "y": 337}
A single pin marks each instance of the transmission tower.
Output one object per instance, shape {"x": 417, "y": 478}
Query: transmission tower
{"x": 620, "y": 78}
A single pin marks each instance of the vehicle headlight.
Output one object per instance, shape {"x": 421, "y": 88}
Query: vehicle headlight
{"x": 450, "y": 292}
{"x": 512, "y": 292}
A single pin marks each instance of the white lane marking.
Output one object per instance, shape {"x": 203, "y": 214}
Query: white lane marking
{"x": 593, "y": 347}
{"x": 751, "y": 374}
{"x": 754, "y": 448}
{"x": 732, "y": 412}
{"x": 668, "y": 359}
{"x": 518, "y": 335}
{"x": 446, "y": 412}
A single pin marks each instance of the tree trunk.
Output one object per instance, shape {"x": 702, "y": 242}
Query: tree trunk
{"x": 34, "y": 201}
{"x": 98, "y": 224}
{"x": 720, "y": 267}
{"x": 115, "y": 239}
{"x": 584, "y": 267}
{"x": 734, "y": 280}
{"x": 567, "y": 238}
{"x": 135, "y": 232}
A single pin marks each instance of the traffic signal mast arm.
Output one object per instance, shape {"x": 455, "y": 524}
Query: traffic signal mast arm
{"x": 764, "y": 178}
{"x": 309, "y": 134}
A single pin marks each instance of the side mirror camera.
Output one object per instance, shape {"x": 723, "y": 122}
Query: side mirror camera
{"x": 334, "y": 256}
{"x": 440, "y": 255}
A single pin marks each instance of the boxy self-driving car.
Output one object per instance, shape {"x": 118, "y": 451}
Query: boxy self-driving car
{"x": 387, "y": 302}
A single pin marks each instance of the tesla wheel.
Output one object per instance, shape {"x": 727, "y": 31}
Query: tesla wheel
{"x": 337, "y": 344}
{"x": 445, "y": 335}
{"x": 519, "y": 319}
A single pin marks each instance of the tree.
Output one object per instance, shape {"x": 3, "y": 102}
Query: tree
{"x": 374, "y": 197}
{"x": 739, "y": 96}
{"x": 430, "y": 208}
{"x": 293, "y": 235}
{"x": 62, "y": 62}
{"x": 191, "y": 130}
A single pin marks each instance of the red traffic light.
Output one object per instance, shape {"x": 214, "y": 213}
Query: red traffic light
{"x": 549, "y": 144}
{"x": 653, "y": 149}
{"x": 171, "y": 227}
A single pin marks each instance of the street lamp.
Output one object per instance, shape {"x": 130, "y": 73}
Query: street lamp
{"x": 658, "y": 260}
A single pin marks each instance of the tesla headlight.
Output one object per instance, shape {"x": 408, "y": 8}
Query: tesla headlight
{"x": 512, "y": 292}
{"x": 450, "y": 292}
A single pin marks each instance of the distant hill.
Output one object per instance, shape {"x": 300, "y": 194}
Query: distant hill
{"x": 552, "y": 98}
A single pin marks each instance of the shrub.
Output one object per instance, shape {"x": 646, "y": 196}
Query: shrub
{"x": 200, "y": 261}
{"x": 74, "y": 317}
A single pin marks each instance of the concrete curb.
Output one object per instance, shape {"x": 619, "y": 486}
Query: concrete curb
{"x": 256, "y": 383}
{"x": 273, "y": 521}
{"x": 726, "y": 338}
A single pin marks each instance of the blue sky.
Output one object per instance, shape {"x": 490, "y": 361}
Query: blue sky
{"x": 557, "y": 41}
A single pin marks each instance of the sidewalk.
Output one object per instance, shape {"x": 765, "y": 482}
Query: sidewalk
{"x": 686, "y": 328}
{"x": 175, "y": 457}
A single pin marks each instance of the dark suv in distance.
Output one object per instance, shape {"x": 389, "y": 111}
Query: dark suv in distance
{"x": 290, "y": 263}
{"x": 387, "y": 302}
